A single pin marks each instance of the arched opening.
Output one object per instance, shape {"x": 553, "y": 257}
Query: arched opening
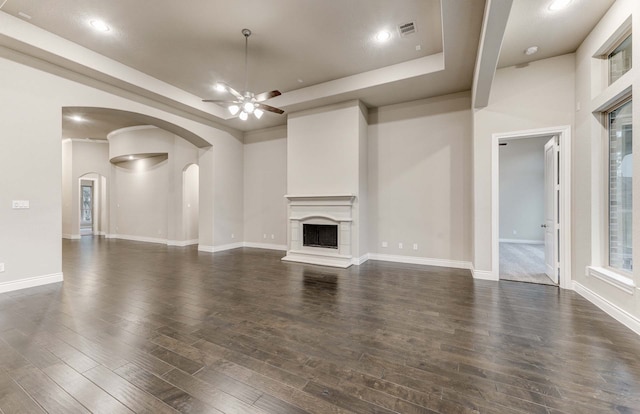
{"x": 154, "y": 171}
{"x": 190, "y": 202}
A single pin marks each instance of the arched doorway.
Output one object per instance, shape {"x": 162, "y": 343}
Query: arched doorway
{"x": 92, "y": 209}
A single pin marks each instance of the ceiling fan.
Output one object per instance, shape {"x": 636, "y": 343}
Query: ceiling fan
{"x": 247, "y": 102}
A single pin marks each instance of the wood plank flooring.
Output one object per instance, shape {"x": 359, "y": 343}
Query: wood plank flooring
{"x": 152, "y": 329}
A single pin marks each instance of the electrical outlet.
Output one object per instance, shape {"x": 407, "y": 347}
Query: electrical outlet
{"x": 384, "y": 244}
{"x": 1, "y": 267}
{"x": 264, "y": 236}
{"x": 515, "y": 232}
{"x": 233, "y": 236}
{"x": 273, "y": 236}
{"x": 415, "y": 246}
{"x": 400, "y": 245}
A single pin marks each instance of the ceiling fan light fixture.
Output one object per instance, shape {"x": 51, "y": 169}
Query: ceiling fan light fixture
{"x": 234, "y": 109}
{"x": 244, "y": 115}
{"x": 220, "y": 87}
{"x": 248, "y": 107}
{"x": 258, "y": 113}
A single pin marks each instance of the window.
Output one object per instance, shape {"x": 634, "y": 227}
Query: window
{"x": 87, "y": 204}
{"x": 620, "y": 187}
{"x": 620, "y": 60}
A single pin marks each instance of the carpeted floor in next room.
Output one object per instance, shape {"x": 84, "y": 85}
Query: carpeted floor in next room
{"x": 522, "y": 262}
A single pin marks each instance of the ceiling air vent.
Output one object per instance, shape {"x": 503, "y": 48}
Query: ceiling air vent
{"x": 407, "y": 29}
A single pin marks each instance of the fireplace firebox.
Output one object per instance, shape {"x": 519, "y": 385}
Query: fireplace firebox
{"x": 320, "y": 235}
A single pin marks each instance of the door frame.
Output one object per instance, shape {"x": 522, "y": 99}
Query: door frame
{"x": 564, "y": 137}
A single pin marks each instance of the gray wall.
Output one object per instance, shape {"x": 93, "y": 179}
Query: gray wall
{"x": 538, "y": 95}
{"x": 79, "y": 159}
{"x": 420, "y": 178}
{"x": 265, "y": 185}
{"x": 31, "y": 168}
{"x": 589, "y": 210}
{"x": 522, "y": 189}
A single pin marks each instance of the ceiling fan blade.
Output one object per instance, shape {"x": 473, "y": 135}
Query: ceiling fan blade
{"x": 267, "y": 95}
{"x": 219, "y": 101}
{"x": 270, "y": 108}
{"x": 233, "y": 92}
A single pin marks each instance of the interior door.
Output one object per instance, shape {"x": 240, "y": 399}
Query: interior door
{"x": 551, "y": 208}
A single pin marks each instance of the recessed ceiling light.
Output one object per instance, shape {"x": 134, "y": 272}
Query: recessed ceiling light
{"x": 531, "y": 50}
{"x": 559, "y": 4}
{"x": 99, "y": 25}
{"x": 77, "y": 118}
{"x": 383, "y": 36}
{"x": 219, "y": 87}
{"x": 130, "y": 157}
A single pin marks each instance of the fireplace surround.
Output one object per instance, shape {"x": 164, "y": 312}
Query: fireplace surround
{"x": 320, "y": 210}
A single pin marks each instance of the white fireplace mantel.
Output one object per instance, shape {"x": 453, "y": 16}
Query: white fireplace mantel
{"x": 320, "y": 209}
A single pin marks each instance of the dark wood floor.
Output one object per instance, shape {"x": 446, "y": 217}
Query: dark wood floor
{"x": 152, "y": 329}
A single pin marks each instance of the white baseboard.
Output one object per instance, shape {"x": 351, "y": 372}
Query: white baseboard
{"x": 182, "y": 243}
{"x": 521, "y": 241}
{"x": 266, "y": 246}
{"x": 484, "y": 274}
{"x": 100, "y": 233}
{"x": 360, "y": 260}
{"x": 30, "y": 282}
{"x": 617, "y": 313}
{"x": 456, "y": 264}
{"x": 71, "y": 236}
{"x": 214, "y": 249}
{"x": 137, "y": 238}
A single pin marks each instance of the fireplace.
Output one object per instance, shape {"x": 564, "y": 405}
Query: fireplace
{"x": 320, "y": 235}
{"x": 321, "y": 229}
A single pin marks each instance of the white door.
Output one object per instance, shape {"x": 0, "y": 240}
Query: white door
{"x": 551, "y": 208}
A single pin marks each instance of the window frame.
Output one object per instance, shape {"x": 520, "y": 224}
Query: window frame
{"x": 627, "y": 34}
{"x": 606, "y": 253}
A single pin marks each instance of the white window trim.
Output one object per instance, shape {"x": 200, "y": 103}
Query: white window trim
{"x": 606, "y": 98}
{"x": 613, "y": 278}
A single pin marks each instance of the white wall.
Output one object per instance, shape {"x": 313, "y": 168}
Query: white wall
{"x": 323, "y": 150}
{"x": 148, "y": 193}
{"x": 588, "y": 172}
{"x": 31, "y": 166}
{"x": 420, "y": 178}
{"x": 67, "y": 174}
{"x": 265, "y": 185}
{"x": 83, "y": 157}
{"x": 190, "y": 188}
{"x": 538, "y": 95}
{"x": 326, "y": 155}
{"x": 141, "y": 199}
{"x": 522, "y": 189}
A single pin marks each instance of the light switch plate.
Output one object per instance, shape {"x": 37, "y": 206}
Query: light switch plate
{"x": 1, "y": 267}
{"x": 19, "y": 204}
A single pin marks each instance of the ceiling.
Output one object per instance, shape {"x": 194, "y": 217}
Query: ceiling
{"x": 314, "y": 52}
{"x": 556, "y": 33}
